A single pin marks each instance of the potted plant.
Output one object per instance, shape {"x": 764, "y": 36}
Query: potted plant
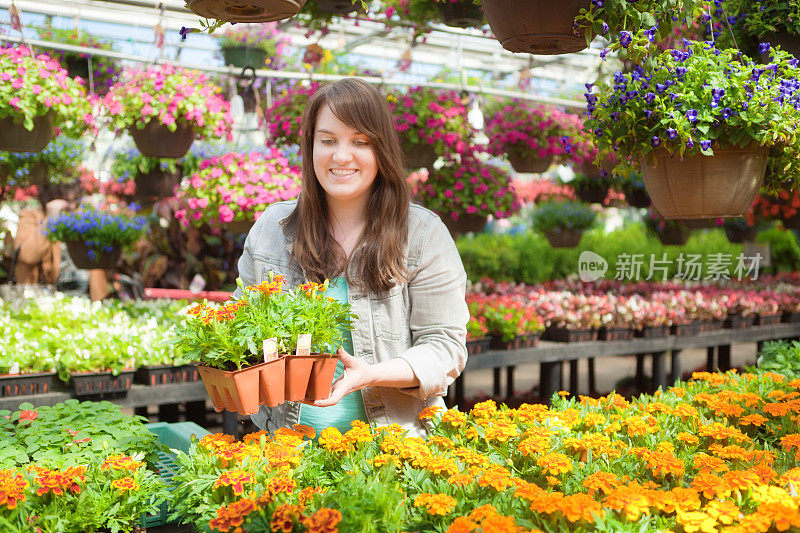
{"x": 541, "y": 27}
{"x": 782, "y": 205}
{"x": 253, "y": 45}
{"x": 738, "y": 230}
{"x": 591, "y": 189}
{"x": 238, "y": 368}
{"x": 478, "y": 339}
{"x": 283, "y": 117}
{"x": 165, "y": 108}
{"x": 234, "y": 12}
{"x": 669, "y": 232}
{"x": 465, "y": 191}
{"x": 415, "y": 14}
{"x": 688, "y": 117}
{"x": 36, "y": 97}
{"x": 95, "y": 238}
{"x": 771, "y": 21}
{"x": 56, "y": 163}
{"x": 155, "y": 178}
{"x": 511, "y": 324}
{"x": 529, "y": 134}
{"x": 232, "y": 190}
{"x": 460, "y": 13}
{"x": 104, "y": 69}
{"x": 562, "y": 223}
{"x": 324, "y": 10}
{"x": 632, "y": 185}
{"x": 430, "y": 123}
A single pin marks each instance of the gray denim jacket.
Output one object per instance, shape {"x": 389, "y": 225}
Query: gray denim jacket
{"x": 423, "y": 321}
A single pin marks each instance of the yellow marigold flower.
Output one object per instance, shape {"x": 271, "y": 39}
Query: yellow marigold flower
{"x": 255, "y": 438}
{"x": 485, "y": 409}
{"x": 471, "y": 457}
{"x": 429, "y": 412}
{"x": 631, "y": 501}
{"x": 323, "y": 521}
{"x": 685, "y": 411}
{"x": 680, "y": 392}
{"x": 693, "y": 521}
{"x": 580, "y": 507}
{"x": 783, "y": 514}
{"x": 12, "y": 488}
{"x": 333, "y": 440}
{"x": 392, "y": 429}
{"x": 718, "y": 431}
{"x": 711, "y": 486}
{"x": 498, "y": 478}
{"x": 454, "y": 418}
{"x": 441, "y": 442}
{"x": 771, "y": 494}
{"x": 756, "y": 522}
{"x": 216, "y": 441}
{"x": 283, "y": 457}
{"x": 472, "y": 434}
{"x": 555, "y": 463}
{"x": 436, "y": 504}
{"x": 741, "y": 480}
{"x": 789, "y": 477}
{"x": 685, "y": 499}
{"x": 725, "y": 512}
{"x": 384, "y": 459}
{"x": 530, "y": 412}
{"x": 359, "y": 433}
{"x": 591, "y": 420}
{"x": 461, "y": 480}
{"x": 501, "y": 432}
{"x": 126, "y": 483}
{"x": 440, "y": 465}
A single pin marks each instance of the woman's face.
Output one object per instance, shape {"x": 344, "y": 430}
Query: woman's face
{"x": 344, "y": 159}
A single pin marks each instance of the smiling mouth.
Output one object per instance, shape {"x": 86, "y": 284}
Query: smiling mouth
{"x": 343, "y": 172}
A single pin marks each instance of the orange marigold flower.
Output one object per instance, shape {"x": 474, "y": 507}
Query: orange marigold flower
{"x": 323, "y": 521}
{"x": 485, "y": 409}
{"x": 359, "y": 433}
{"x": 305, "y": 495}
{"x": 501, "y": 431}
{"x": 235, "y": 479}
{"x": 126, "y": 483}
{"x": 730, "y": 452}
{"x": 454, "y": 418}
{"x": 215, "y": 441}
{"x": 12, "y": 488}
{"x": 725, "y": 512}
{"x": 756, "y": 522}
{"x": 429, "y": 412}
{"x": 441, "y": 442}
{"x": 789, "y": 477}
{"x": 555, "y": 463}
{"x": 663, "y": 464}
{"x": 631, "y": 501}
{"x": 120, "y": 462}
{"x": 791, "y": 441}
{"x": 684, "y": 499}
{"x": 741, "y": 480}
{"x": 707, "y": 463}
{"x": 711, "y": 486}
{"x": 306, "y": 431}
{"x": 777, "y": 409}
{"x": 283, "y": 518}
{"x": 680, "y": 392}
{"x": 752, "y": 420}
{"x": 58, "y": 482}
{"x": 436, "y": 504}
{"x": 333, "y": 440}
{"x": 688, "y": 438}
{"x": 255, "y": 437}
{"x": 603, "y": 481}
{"x": 764, "y": 472}
{"x": 693, "y": 521}
{"x": 783, "y": 515}
{"x": 580, "y": 507}
{"x": 233, "y": 515}
{"x": 384, "y": 459}
{"x": 528, "y": 491}
{"x": 685, "y": 411}
{"x": 462, "y": 524}
{"x": 547, "y": 502}
{"x": 497, "y": 478}
{"x": 461, "y": 480}
{"x": 718, "y": 431}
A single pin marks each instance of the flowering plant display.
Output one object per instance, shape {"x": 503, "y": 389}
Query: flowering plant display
{"x": 691, "y": 100}
{"x": 315, "y": 18}
{"x": 229, "y": 336}
{"x": 760, "y": 18}
{"x": 433, "y": 117}
{"x": 74, "y": 334}
{"x": 658, "y": 224}
{"x": 701, "y": 453}
{"x": 504, "y": 316}
{"x": 552, "y": 216}
{"x": 283, "y": 117}
{"x": 619, "y": 19}
{"x": 265, "y": 36}
{"x": 127, "y": 164}
{"x": 104, "y": 69}
{"x": 476, "y": 326}
{"x": 35, "y": 86}
{"x": 101, "y": 231}
{"x": 57, "y": 163}
{"x": 171, "y": 96}
{"x": 541, "y": 190}
{"x": 417, "y": 14}
{"x": 780, "y": 356}
{"x": 237, "y": 187}
{"x": 467, "y": 186}
{"x": 522, "y": 126}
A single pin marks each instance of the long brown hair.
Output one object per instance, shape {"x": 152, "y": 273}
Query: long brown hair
{"x": 378, "y": 259}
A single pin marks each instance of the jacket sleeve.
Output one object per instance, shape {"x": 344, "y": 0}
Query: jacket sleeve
{"x": 438, "y": 315}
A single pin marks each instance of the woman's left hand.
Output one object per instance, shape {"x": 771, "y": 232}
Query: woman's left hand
{"x": 355, "y": 377}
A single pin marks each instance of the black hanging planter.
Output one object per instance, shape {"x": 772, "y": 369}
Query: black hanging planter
{"x": 593, "y": 193}
{"x": 15, "y": 138}
{"x": 156, "y": 139}
{"x": 460, "y": 13}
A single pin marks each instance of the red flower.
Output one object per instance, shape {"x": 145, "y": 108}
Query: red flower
{"x": 28, "y": 415}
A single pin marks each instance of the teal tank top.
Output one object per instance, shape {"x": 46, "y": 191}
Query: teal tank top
{"x": 349, "y": 408}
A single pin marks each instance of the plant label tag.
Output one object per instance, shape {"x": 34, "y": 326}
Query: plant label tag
{"x": 270, "y": 349}
{"x": 14, "y": 368}
{"x": 197, "y": 284}
{"x": 303, "y": 344}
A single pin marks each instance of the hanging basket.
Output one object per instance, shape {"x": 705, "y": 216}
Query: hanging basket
{"x": 340, "y": 7}
{"x": 465, "y": 224}
{"x": 528, "y": 162}
{"x": 700, "y": 223}
{"x": 155, "y": 185}
{"x": 740, "y": 235}
{"x": 564, "y": 238}
{"x": 15, "y": 138}
{"x": 637, "y": 198}
{"x": 244, "y": 56}
{"x": 593, "y": 193}
{"x": 246, "y": 10}
{"x": 674, "y": 236}
{"x": 77, "y": 66}
{"x": 722, "y": 185}
{"x": 79, "y": 253}
{"x": 460, "y": 14}
{"x": 536, "y": 26}
{"x": 420, "y": 155}
{"x": 156, "y": 139}
{"x": 788, "y": 43}
{"x": 38, "y": 175}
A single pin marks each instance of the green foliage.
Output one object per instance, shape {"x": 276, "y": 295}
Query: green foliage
{"x": 782, "y": 357}
{"x": 551, "y": 216}
{"x": 620, "y": 15}
{"x": 784, "y": 249}
{"x": 73, "y": 433}
{"x": 762, "y": 17}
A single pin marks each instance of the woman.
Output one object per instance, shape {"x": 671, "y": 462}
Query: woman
{"x": 393, "y": 261}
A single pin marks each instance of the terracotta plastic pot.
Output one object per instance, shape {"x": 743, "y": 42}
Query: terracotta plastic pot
{"x": 564, "y": 238}
{"x": 272, "y": 382}
{"x": 155, "y": 185}
{"x": 722, "y": 185}
{"x": 321, "y": 379}
{"x": 674, "y": 236}
{"x": 536, "y": 26}
{"x": 244, "y": 56}
{"x": 79, "y": 253}
{"x": 340, "y": 7}
{"x": 15, "y": 138}
{"x": 156, "y": 140}
{"x": 420, "y": 155}
{"x": 236, "y": 391}
{"x": 593, "y": 193}
{"x": 528, "y": 162}
{"x": 460, "y": 14}
{"x": 740, "y": 235}
{"x": 298, "y": 373}
{"x": 250, "y": 11}
{"x": 465, "y": 224}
